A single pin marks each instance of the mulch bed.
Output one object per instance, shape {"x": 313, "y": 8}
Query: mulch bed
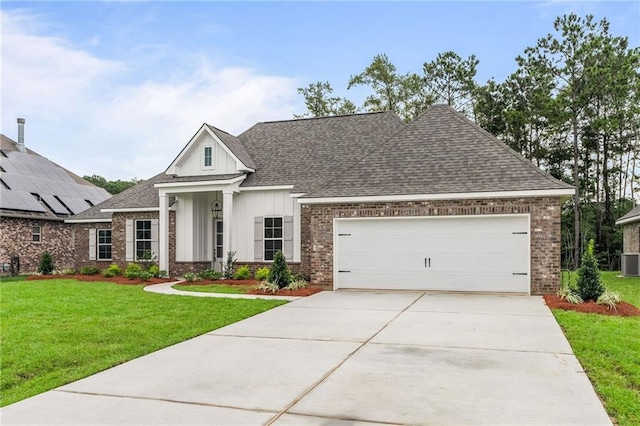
{"x": 623, "y": 309}
{"x": 298, "y": 293}
{"x": 93, "y": 278}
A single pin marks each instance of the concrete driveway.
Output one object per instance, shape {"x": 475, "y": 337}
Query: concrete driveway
{"x": 347, "y": 358}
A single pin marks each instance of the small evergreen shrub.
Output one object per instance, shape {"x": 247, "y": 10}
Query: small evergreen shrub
{"x": 242, "y": 273}
{"x": 279, "y": 273}
{"x": 262, "y": 273}
{"x": 589, "y": 283}
{"x": 46, "y": 265}
{"x": 132, "y": 271}
{"x": 210, "y": 274}
{"x": 229, "y": 265}
{"x": 112, "y": 271}
{"x": 70, "y": 271}
{"x": 154, "y": 271}
{"x": 144, "y": 275}
{"x": 89, "y": 270}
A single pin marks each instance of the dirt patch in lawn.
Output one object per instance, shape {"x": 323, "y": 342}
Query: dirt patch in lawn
{"x": 297, "y": 293}
{"x": 93, "y": 278}
{"x": 623, "y": 309}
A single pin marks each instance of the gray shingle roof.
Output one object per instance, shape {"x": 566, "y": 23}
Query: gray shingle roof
{"x": 439, "y": 152}
{"x": 308, "y": 152}
{"x": 632, "y": 216}
{"x": 235, "y": 145}
{"x": 143, "y": 195}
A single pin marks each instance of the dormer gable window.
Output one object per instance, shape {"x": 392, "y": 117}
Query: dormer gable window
{"x": 208, "y": 157}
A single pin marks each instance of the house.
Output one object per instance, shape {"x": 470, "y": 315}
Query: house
{"x": 630, "y": 223}
{"x": 354, "y": 201}
{"x": 36, "y": 196}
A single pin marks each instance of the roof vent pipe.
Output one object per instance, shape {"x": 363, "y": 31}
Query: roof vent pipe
{"x": 21, "y": 147}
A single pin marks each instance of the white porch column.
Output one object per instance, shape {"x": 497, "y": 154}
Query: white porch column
{"x": 163, "y": 232}
{"x": 227, "y": 212}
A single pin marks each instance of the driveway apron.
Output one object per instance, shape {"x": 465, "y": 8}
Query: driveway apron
{"x": 347, "y": 358}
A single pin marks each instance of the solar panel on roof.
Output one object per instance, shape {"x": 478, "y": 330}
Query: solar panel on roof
{"x": 55, "y": 205}
{"x": 20, "y": 200}
{"x": 76, "y": 205}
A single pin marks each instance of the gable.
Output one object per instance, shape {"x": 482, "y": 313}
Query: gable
{"x": 206, "y": 154}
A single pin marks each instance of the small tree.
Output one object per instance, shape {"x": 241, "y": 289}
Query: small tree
{"x": 589, "y": 283}
{"x": 46, "y": 266}
{"x": 229, "y": 264}
{"x": 279, "y": 273}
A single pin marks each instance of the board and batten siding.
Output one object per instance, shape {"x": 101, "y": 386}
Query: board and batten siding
{"x": 251, "y": 204}
{"x": 194, "y": 225}
{"x": 193, "y": 162}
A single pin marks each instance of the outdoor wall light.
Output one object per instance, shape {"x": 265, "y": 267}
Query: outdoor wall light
{"x": 216, "y": 209}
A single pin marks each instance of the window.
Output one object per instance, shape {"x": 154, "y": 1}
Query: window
{"x": 208, "y": 156}
{"x": 36, "y": 233}
{"x": 272, "y": 236}
{"x": 104, "y": 244}
{"x": 219, "y": 240}
{"x": 143, "y": 239}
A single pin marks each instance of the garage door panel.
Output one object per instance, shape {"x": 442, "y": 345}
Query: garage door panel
{"x": 479, "y": 253}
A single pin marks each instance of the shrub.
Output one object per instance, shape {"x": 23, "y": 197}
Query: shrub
{"x": 242, "y": 273}
{"x": 190, "y": 276}
{"x": 89, "y": 270}
{"x": 609, "y": 298}
{"x": 297, "y": 284}
{"x": 112, "y": 271}
{"x": 69, "y": 271}
{"x": 279, "y": 273}
{"x": 229, "y": 264}
{"x": 132, "y": 271}
{"x": 589, "y": 283}
{"x": 262, "y": 273}
{"x": 267, "y": 285}
{"x": 144, "y": 275}
{"x": 154, "y": 271}
{"x": 210, "y": 274}
{"x": 570, "y": 295}
{"x": 46, "y": 265}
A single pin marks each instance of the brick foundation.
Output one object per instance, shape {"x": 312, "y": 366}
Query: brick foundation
{"x": 317, "y": 239}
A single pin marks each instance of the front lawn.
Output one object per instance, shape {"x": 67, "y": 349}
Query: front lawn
{"x": 608, "y": 348}
{"x": 58, "y": 331}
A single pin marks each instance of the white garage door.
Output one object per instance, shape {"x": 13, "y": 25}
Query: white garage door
{"x": 470, "y": 253}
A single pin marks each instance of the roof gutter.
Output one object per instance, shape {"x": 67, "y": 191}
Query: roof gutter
{"x": 447, "y": 196}
{"x": 628, "y": 220}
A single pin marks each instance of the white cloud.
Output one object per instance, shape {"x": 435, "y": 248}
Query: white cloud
{"x": 81, "y": 116}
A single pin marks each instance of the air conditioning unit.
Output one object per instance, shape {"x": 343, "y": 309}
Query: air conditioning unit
{"x": 631, "y": 264}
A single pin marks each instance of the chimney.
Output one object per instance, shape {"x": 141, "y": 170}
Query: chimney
{"x": 21, "y": 147}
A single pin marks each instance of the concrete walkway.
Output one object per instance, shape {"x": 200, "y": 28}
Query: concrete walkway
{"x": 347, "y": 358}
{"x": 167, "y": 288}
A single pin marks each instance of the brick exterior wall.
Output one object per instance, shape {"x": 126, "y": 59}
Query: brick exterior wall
{"x": 317, "y": 231}
{"x": 16, "y": 239}
{"x": 631, "y": 237}
{"x": 81, "y": 231}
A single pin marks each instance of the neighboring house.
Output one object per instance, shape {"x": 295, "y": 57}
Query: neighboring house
{"x": 355, "y": 201}
{"x": 630, "y": 223}
{"x": 36, "y": 196}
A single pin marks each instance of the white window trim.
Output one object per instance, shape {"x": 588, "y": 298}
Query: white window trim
{"x": 98, "y": 244}
{"x": 39, "y": 234}
{"x": 265, "y": 239}
{"x": 136, "y": 239}
{"x": 204, "y": 156}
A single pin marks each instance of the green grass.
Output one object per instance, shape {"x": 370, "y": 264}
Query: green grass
{"x": 58, "y": 331}
{"x": 10, "y": 279}
{"x": 609, "y": 350}
{"x": 215, "y": 288}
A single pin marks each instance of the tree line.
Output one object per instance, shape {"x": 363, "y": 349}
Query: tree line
{"x": 113, "y": 187}
{"x": 571, "y": 106}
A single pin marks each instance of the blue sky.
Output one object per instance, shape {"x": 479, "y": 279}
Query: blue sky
{"x": 118, "y": 88}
